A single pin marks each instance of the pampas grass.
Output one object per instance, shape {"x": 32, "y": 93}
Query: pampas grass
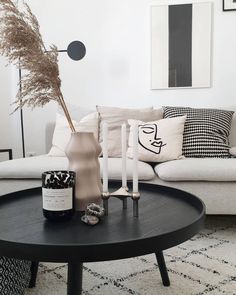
{"x": 21, "y": 43}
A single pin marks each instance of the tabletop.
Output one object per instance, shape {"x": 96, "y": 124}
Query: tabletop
{"x": 167, "y": 217}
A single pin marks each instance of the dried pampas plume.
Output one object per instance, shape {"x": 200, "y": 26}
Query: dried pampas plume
{"x": 21, "y": 43}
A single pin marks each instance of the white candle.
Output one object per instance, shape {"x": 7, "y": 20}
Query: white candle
{"x": 105, "y": 157}
{"x": 135, "y": 158}
{"x": 124, "y": 148}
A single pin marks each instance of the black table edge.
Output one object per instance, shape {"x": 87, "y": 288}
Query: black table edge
{"x": 139, "y": 247}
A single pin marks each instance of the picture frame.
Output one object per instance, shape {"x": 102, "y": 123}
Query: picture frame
{"x": 181, "y": 39}
{"x": 229, "y": 5}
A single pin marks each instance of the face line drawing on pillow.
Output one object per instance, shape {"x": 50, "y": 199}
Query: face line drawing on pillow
{"x": 154, "y": 143}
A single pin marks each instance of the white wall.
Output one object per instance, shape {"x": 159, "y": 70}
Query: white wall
{"x": 5, "y": 94}
{"x": 116, "y": 69}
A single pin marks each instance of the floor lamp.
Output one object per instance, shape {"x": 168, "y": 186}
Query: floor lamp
{"x": 76, "y": 50}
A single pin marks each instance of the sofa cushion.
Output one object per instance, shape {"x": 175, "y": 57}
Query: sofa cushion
{"x": 33, "y": 167}
{"x": 115, "y": 117}
{"x": 194, "y": 169}
{"x": 233, "y": 151}
{"x": 232, "y": 134}
{"x": 206, "y": 131}
{"x": 158, "y": 141}
{"x": 62, "y": 132}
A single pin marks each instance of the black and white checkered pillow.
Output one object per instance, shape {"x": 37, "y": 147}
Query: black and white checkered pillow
{"x": 206, "y": 131}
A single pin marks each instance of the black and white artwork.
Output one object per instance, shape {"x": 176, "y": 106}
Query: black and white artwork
{"x": 229, "y": 5}
{"x": 181, "y": 45}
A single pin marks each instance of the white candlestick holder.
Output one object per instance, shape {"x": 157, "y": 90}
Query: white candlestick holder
{"x": 123, "y": 194}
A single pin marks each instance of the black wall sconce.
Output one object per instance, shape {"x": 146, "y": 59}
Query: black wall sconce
{"x": 75, "y": 50}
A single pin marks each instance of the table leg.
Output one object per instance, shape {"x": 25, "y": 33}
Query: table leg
{"x": 162, "y": 268}
{"x": 74, "y": 278}
{"x": 34, "y": 271}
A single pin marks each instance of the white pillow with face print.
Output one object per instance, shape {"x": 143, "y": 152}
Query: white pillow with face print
{"x": 159, "y": 141}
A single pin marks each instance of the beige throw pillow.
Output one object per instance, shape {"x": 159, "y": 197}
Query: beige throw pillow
{"x": 115, "y": 117}
{"x": 62, "y": 132}
{"x": 159, "y": 141}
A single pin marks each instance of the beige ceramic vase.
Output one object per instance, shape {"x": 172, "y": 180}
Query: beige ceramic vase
{"x": 82, "y": 152}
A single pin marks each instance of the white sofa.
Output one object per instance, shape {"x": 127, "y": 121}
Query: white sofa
{"x": 211, "y": 179}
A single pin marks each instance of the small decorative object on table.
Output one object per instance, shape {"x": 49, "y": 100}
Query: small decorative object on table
{"x": 93, "y": 214}
{"x": 123, "y": 192}
{"x": 58, "y": 190}
{"x": 82, "y": 152}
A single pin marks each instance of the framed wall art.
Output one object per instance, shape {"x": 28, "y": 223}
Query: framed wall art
{"x": 181, "y": 45}
{"x": 229, "y": 5}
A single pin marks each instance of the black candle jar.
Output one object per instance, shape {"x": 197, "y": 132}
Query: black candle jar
{"x": 58, "y": 192}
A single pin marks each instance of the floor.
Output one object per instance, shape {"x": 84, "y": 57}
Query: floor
{"x": 206, "y": 264}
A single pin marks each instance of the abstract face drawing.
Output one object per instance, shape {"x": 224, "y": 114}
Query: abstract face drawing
{"x": 148, "y": 138}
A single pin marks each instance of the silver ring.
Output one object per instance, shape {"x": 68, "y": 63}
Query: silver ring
{"x": 95, "y": 210}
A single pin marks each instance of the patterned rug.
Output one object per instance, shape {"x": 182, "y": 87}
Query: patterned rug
{"x": 206, "y": 264}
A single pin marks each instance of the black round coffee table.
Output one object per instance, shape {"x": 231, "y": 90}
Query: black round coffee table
{"x": 167, "y": 217}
